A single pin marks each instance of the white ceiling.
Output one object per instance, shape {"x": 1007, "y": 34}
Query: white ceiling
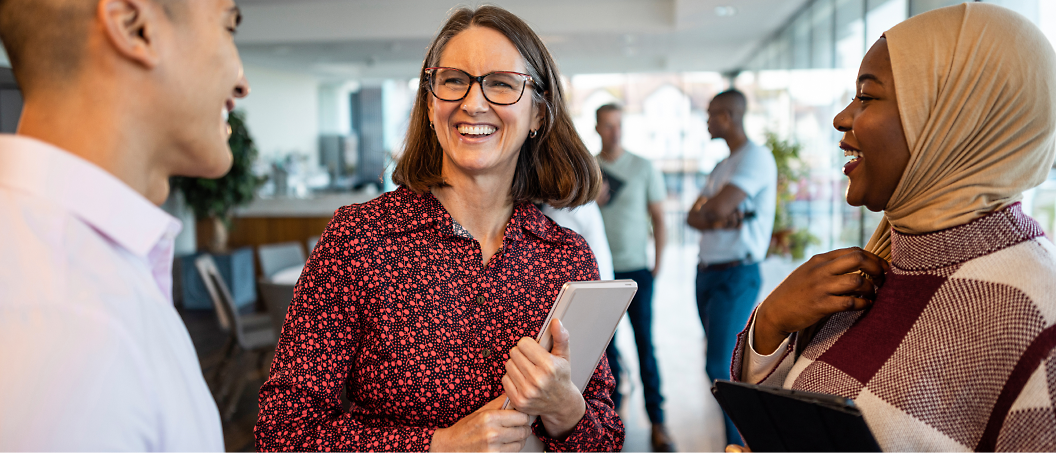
{"x": 346, "y": 39}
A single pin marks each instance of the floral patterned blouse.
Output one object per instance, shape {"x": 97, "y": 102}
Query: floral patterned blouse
{"x": 395, "y": 309}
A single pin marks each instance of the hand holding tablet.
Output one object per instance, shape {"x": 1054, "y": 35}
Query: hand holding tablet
{"x": 588, "y": 313}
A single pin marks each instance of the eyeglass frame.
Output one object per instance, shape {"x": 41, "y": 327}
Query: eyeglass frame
{"x": 479, "y": 80}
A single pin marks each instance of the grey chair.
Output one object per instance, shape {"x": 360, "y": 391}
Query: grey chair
{"x": 277, "y": 297}
{"x": 279, "y": 256}
{"x": 247, "y": 335}
{"x": 311, "y": 243}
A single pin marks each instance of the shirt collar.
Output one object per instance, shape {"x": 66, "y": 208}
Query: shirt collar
{"x": 526, "y": 218}
{"x": 90, "y": 193}
{"x": 747, "y": 144}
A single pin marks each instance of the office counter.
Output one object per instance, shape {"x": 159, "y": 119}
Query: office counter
{"x": 271, "y": 220}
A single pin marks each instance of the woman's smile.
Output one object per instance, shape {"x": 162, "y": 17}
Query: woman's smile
{"x": 854, "y": 153}
{"x": 475, "y": 131}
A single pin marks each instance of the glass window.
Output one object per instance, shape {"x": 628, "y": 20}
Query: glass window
{"x": 801, "y": 48}
{"x": 822, "y": 34}
{"x": 882, "y": 15}
{"x": 921, "y": 6}
{"x": 784, "y": 50}
{"x": 773, "y": 54}
{"x": 850, "y": 33}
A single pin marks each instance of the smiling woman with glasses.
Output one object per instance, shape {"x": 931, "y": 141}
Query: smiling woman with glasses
{"x": 420, "y": 306}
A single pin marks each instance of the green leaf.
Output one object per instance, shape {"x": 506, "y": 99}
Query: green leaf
{"x": 790, "y": 170}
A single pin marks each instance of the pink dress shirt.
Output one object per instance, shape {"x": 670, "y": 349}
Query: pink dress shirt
{"x": 94, "y": 356}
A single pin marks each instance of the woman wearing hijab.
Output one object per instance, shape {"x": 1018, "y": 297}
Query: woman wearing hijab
{"x": 953, "y": 120}
{"x": 420, "y": 306}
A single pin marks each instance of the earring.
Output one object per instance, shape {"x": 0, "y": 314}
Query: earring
{"x": 532, "y": 134}
{"x": 431, "y": 126}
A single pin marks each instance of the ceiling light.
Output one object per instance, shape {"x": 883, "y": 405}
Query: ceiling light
{"x": 725, "y": 11}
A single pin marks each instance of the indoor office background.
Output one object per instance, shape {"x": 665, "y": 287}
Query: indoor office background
{"x": 803, "y": 75}
{"x": 332, "y": 86}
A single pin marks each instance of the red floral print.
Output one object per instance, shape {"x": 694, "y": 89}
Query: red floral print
{"x": 396, "y": 310}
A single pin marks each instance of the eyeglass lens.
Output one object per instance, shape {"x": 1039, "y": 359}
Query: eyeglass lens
{"x": 499, "y": 87}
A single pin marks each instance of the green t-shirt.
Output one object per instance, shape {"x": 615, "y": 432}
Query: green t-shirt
{"x": 636, "y": 184}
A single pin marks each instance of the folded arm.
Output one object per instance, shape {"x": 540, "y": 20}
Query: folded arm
{"x": 719, "y": 211}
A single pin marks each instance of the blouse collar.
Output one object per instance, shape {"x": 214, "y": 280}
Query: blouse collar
{"x": 526, "y": 218}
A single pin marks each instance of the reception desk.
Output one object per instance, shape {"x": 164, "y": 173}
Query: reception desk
{"x": 271, "y": 220}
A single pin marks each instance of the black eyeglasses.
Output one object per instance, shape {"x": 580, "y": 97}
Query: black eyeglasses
{"x": 499, "y": 87}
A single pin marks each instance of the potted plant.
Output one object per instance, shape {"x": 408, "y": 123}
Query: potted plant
{"x": 786, "y": 239}
{"x": 214, "y": 199}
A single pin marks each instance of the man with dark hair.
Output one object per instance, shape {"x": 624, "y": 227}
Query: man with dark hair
{"x": 735, "y": 215}
{"x": 120, "y": 95}
{"x": 631, "y": 205}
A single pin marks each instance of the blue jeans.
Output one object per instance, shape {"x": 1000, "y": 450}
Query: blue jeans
{"x": 725, "y": 300}
{"x": 641, "y": 315}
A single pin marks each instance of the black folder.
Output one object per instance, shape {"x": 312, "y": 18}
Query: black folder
{"x": 615, "y": 184}
{"x": 778, "y": 419}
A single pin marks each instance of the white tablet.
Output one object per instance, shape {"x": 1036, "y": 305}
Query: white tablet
{"x": 590, "y": 312}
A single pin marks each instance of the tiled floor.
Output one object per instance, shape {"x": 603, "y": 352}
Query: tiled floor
{"x": 693, "y": 417}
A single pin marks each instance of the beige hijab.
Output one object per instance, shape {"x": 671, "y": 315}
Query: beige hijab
{"x": 976, "y": 86}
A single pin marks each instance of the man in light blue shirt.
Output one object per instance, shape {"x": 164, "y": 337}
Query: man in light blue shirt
{"x": 735, "y": 215}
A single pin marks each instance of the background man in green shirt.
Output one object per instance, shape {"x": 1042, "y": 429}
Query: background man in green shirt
{"x": 632, "y": 207}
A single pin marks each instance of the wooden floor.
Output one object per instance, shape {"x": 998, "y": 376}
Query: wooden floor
{"x": 208, "y": 339}
{"x": 693, "y": 417}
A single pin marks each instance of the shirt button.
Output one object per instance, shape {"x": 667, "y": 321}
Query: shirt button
{"x": 481, "y": 300}
{"x": 486, "y": 353}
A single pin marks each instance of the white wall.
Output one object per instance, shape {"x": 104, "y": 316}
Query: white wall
{"x": 282, "y": 113}
{"x": 1047, "y": 20}
{"x": 335, "y": 107}
{"x": 398, "y": 99}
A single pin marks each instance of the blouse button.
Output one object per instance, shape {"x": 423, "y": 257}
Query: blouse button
{"x": 481, "y": 300}
{"x": 486, "y": 353}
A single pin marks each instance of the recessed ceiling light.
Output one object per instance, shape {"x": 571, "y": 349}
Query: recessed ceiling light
{"x": 725, "y": 11}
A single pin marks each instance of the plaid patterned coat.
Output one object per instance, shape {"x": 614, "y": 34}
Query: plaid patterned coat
{"x": 958, "y": 352}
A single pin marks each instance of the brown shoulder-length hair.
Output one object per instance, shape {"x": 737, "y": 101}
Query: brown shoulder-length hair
{"x": 553, "y": 167}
